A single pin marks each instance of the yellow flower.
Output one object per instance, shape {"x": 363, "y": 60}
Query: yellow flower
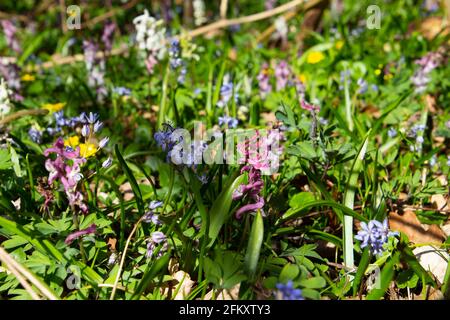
{"x": 339, "y": 44}
{"x": 302, "y": 77}
{"x": 72, "y": 142}
{"x": 54, "y": 107}
{"x": 28, "y": 77}
{"x": 388, "y": 76}
{"x": 315, "y": 57}
{"x": 377, "y": 72}
{"x": 87, "y": 149}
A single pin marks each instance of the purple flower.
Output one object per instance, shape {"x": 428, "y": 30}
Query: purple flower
{"x": 151, "y": 216}
{"x": 122, "y": 91}
{"x": 108, "y": 34}
{"x": 392, "y": 132}
{"x": 362, "y": 86}
{"x": 75, "y": 235}
{"x": 226, "y": 93}
{"x": 10, "y": 31}
{"x": 35, "y": 135}
{"x": 95, "y": 68}
{"x": 282, "y": 73}
{"x": 156, "y": 238}
{"x": 426, "y": 64}
{"x": 288, "y": 292}
{"x": 263, "y": 81}
{"x": 230, "y": 122}
{"x": 374, "y": 234}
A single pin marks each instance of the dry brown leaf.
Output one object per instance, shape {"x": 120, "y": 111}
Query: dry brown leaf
{"x": 112, "y": 243}
{"x": 431, "y": 26}
{"x": 433, "y": 259}
{"x": 231, "y": 294}
{"x": 184, "y": 285}
{"x": 411, "y": 226}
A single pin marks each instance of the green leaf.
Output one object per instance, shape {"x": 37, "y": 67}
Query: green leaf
{"x": 301, "y": 198}
{"x": 5, "y": 159}
{"x": 313, "y": 283}
{"x": 363, "y": 264}
{"x": 220, "y": 210}
{"x": 131, "y": 179}
{"x": 254, "y": 245}
{"x": 386, "y": 276}
{"x": 289, "y": 272}
{"x": 149, "y": 274}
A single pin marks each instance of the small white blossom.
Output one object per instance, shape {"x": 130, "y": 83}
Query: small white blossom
{"x": 5, "y": 104}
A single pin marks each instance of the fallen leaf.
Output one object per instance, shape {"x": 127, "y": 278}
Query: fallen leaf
{"x": 433, "y": 259}
{"x": 409, "y": 224}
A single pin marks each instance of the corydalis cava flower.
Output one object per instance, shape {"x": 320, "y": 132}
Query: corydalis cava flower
{"x": 10, "y": 31}
{"x": 66, "y": 168}
{"x": 375, "y": 235}
{"x": 282, "y": 73}
{"x": 261, "y": 152}
{"x": 150, "y": 36}
{"x": 96, "y": 69}
{"x": 426, "y": 64}
{"x": 264, "y": 81}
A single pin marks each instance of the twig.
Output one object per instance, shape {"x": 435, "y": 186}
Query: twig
{"x": 5, "y": 258}
{"x": 22, "y": 113}
{"x": 28, "y": 275}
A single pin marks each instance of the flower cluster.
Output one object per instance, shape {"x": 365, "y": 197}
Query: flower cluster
{"x": 288, "y": 292}
{"x": 282, "y": 74}
{"x": 150, "y": 215}
{"x": 230, "y": 122}
{"x": 96, "y": 69}
{"x": 10, "y": 72}
{"x": 426, "y": 64}
{"x": 5, "y": 103}
{"x": 176, "y": 62}
{"x": 374, "y": 234}
{"x": 199, "y": 12}
{"x": 226, "y": 92}
{"x": 416, "y": 132}
{"x": 264, "y": 81}
{"x": 108, "y": 35}
{"x": 262, "y": 155}
{"x": 156, "y": 238}
{"x": 150, "y": 36}
{"x": 91, "y": 127}
{"x": 66, "y": 167}
{"x": 10, "y": 31}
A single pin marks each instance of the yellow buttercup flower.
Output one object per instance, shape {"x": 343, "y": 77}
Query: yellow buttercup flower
{"x": 54, "y": 107}
{"x": 377, "y": 72}
{"x": 339, "y": 44}
{"x": 315, "y": 57}
{"x": 302, "y": 77}
{"x": 28, "y": 77}
{"x": 87, "y": 149}
{"x": 72, "y": 142}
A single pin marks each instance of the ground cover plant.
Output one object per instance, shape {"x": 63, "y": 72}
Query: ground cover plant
{"x": 159, "y": 150}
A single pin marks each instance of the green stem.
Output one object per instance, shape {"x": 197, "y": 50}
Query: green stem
{"x": 162, "y": 107}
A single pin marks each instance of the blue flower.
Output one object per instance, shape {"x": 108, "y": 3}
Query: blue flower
{"x": 392, "y": 133}
{"x": 288, "y": 292}
{"x": 374, "y": 234}
{"x": 122, "y": 91}
{"x": 35, "y": 135}
{"x": 230, "y": 122}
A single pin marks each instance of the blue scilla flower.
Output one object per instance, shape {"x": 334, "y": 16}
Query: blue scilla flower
{"x": 374, "y": 235}
{"x": 35, "y": 135}
{"x": 60, "y": 120}
{"x": 230, "y": 122}
{"x": 164, "y": 138}
{"x": 92, "y": 117}
{"x": 288, "y": 292}
{"x": 122, "y": 91}
{"x": 392, "y": 132}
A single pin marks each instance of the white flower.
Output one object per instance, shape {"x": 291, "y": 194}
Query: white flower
{"x": 281, "y": 27}
{"x": 150, "y": 34}
{"x": 5, "y": 104}
{"x": 199, "y": 12}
